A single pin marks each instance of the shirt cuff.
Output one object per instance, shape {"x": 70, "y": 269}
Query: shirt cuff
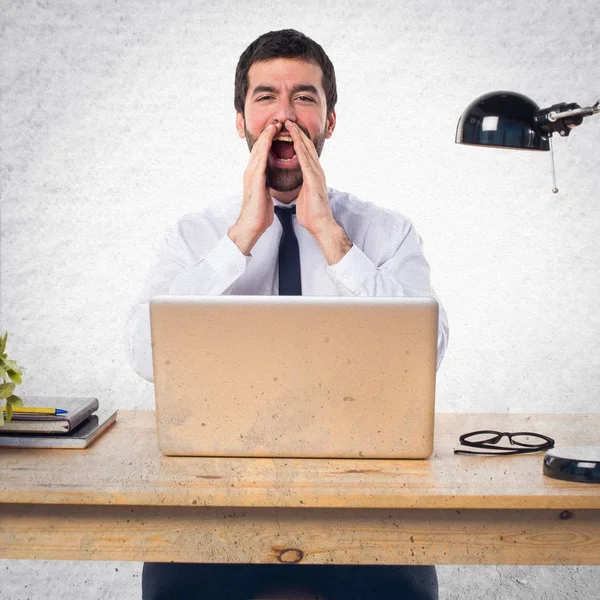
{"x": 227, "y": 259}
{"x": 214, "y": 273}
{"x": 352, "y": 270}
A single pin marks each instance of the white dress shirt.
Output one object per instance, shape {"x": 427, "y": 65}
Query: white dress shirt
{"x": 197, "y": 257}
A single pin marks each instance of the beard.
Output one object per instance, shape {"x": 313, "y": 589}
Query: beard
{"x": 286, "y": 180}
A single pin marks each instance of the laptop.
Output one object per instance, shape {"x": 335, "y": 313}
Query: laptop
{"x": 294, "y": 376}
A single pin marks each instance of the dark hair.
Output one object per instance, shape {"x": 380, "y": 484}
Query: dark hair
{"x": 287, "y": 43}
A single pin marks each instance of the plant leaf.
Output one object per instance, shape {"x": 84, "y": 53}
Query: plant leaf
{"x": 3, "y": 342}
{"x": 11, "y": 402}
{"x": 13, "y": 366}
{"x": 3, "y": 373}
{"x": 15, "y": 376}
{"x": 6, "y": 390}
{"x": 15, "y": 400}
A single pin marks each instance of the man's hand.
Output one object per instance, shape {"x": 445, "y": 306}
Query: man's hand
{"x": 312, "y": 206}
{"x": 257, "y": 212}
{"x": 313, "y": 210}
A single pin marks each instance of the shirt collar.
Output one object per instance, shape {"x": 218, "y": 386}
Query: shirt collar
{"x": 277, "y": 203}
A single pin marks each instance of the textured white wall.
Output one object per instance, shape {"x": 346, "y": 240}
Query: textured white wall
{"x": 117, "y": 117}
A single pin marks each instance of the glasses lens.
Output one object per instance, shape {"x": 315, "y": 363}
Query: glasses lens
{"x": 488, "y": 436}
{"x": 523, "y": 439}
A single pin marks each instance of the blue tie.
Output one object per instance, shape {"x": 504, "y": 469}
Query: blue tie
{"x": 290, "y": 283}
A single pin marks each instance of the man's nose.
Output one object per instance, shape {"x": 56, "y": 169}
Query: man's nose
{"x": 284, "y": 111}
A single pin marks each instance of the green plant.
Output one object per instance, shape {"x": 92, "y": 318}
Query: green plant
{"x": 9, "y": 370}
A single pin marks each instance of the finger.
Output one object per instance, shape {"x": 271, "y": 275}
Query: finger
{"x": 265, "y": 139}
{"x": 269, "y": 132}
{"x": 262, "y": 146}
{"x": 305, "y": 149}
{"x": 304, "y": 145}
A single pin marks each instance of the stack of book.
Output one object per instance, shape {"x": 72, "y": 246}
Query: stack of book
{"x": 55, "y": 423}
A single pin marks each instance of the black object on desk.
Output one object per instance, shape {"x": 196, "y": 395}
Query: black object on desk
{"x": 573, "y": 463}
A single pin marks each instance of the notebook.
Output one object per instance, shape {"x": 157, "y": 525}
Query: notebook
{"x": 79, "y": 437}
{"x": 294, "y": 376}
{"x": 78, "y": 409}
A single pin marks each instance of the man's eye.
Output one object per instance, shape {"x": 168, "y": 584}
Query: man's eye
{"x": 306, "y": 98}
{"x": 262, "y": 98}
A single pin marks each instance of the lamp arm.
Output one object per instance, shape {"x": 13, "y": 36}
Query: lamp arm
{"x": 584, "y": 112}
{"x": 561, "y": 118}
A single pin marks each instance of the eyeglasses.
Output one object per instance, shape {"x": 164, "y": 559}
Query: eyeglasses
{"x": 487, "y": 442}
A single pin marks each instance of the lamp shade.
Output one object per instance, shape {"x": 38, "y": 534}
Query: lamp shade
{"x": 501, "y": 120}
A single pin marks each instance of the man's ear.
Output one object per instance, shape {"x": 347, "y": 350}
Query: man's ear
{"x": 330, "y": 124}
{"x": 240, "y": 124}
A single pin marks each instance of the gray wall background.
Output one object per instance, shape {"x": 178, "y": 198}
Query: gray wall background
{"x": 117, "y": 118}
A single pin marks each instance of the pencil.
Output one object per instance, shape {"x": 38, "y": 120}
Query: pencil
{"x": 37, "y": 410}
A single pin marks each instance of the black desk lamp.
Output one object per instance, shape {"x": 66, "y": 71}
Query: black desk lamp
{"x": 511, "y": 120}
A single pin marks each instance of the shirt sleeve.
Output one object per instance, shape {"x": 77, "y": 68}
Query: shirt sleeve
{"x": 400, "y": 269}
{"x": 180, "y": 269}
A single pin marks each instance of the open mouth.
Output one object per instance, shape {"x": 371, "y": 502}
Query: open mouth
{"x": 282, "y": 151}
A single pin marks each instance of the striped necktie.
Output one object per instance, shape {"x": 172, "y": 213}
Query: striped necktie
{"x": 290, "y": 283}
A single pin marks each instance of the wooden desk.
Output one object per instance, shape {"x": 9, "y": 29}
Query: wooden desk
{"x": 122, "y": 500}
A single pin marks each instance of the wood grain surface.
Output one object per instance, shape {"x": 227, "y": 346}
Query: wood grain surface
{"x": 125, "y": 467}
{"x": 122, "y": 500}
{"x": 300, "y": 536}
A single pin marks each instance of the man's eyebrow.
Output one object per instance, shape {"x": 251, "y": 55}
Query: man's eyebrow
{"x": 305, "y": 88}
{"x": 259, "y": 89}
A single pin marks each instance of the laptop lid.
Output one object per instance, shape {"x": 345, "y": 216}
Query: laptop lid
{"x": 294, "y": 376}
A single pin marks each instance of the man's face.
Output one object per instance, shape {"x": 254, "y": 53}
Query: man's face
{"x": 278, "y": 90}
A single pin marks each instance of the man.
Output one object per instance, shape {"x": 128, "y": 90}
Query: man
{"x": 285, "y": 95}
